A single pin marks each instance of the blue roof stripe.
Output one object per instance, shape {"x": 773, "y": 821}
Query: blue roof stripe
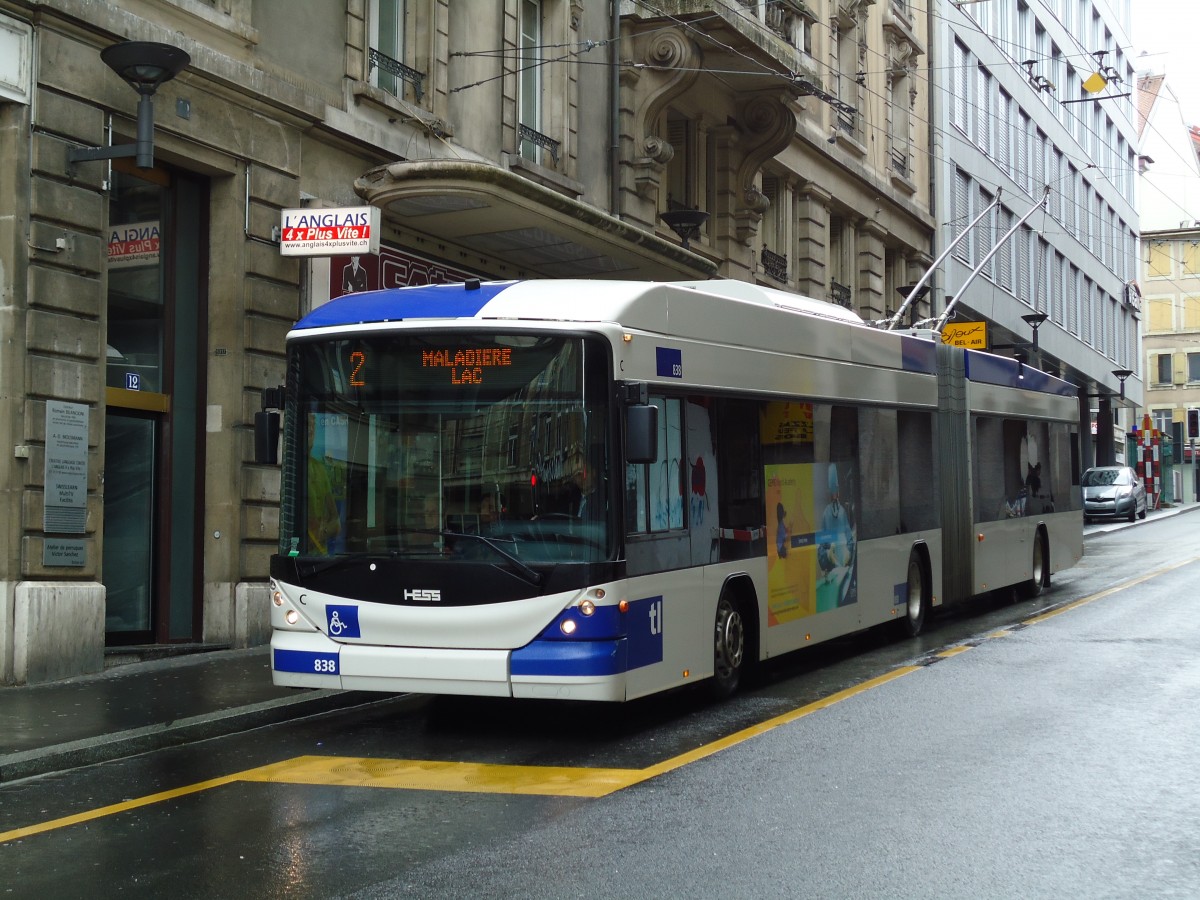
{"x": 1002, "y": 370}
{"x": 432, "y": 301}
{"x": 918, "y": 354}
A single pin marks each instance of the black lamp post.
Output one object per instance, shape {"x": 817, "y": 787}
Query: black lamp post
{"x": 145, "y": 65}
{"x": 1035, "y": 320}
{"x": 685, "y": 223}
{"x": 917, "y": 297}
{"x": 1122, "y": 374}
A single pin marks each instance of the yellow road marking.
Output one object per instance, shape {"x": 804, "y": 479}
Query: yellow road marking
{"x": 549, "y": 781}
{"x": 1042, "y": 617}
{"x": 115, "y": 808}
{"x": 746, "y": 734}
{"x": 953, "y": 651}
{"x": 431, "y": 775}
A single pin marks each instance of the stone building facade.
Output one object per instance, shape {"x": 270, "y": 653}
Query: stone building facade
{"x": 143, "y": 309}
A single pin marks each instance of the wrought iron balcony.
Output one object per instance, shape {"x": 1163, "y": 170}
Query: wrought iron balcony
{"x": 755, "y": 26}
{"x": 774, "y": 264}
{"x": 537, "y": 139}
{"x": 383, "y": 62}
{"x": 900, "y": 161}
{"x": 840, "y": 294}
{"x": 845, "y": 120}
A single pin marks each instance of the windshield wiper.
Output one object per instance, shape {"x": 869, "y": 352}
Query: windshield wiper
{"x": 317, "y": 566}
{"x": 530, "y": 575}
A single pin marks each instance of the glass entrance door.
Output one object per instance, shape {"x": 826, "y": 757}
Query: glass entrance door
{"x": 129, "y": 514}
{"x": 153, "y": 398}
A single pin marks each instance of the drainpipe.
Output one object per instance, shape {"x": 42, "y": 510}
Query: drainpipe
{"x": 614, "y": 125}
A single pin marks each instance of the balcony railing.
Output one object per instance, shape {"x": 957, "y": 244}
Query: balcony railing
{"x": 900, "y": 161}
{"x": 791, "y": 20}
{"x": 774, "y": 264}
{"x": 840, "y": 294}
{"x": 383, "y": 62}
{"x": 845, "y": 120}
{"x": 525, "y": 134}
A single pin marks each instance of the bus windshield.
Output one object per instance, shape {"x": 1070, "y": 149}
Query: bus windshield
{"x": 455, "y": 445}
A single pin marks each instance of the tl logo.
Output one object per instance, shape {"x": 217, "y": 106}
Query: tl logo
{"x": 656, "y": 616}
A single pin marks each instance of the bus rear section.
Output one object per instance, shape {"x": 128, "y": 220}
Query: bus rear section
{"x": 1011, "y": 500}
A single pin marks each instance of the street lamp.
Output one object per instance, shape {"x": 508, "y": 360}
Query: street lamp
{"x": 913, "y": 294}
{"x": 1035, "y": 320}
{"x": 145, "y": 66}
{"x": 1122, "y": 374}
{"x": 684, "y": 222}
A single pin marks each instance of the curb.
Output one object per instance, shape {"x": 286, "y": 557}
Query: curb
{"x": 1101, "y": 528}
{"x": 109, "y": 747}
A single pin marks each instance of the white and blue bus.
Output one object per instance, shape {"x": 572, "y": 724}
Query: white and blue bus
{"x": 601, "y": 489}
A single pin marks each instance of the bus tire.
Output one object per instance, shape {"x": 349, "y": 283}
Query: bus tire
{"x": 916, "y": 606}
{"x": 1039, "y": 575}
{"x": 729, "y": 648}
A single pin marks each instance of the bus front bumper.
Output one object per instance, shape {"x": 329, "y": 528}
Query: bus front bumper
{"x": 565, "y": 671}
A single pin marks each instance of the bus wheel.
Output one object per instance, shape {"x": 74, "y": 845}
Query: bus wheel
{"x": 729, "y": 648}
{"x": 916, "y": 606}
{"x": 1037, "y": 577}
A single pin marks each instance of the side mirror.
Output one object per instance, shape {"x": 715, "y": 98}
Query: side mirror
{"x": 641, "y": 433}
{"x": 266, "y": 427}
{"x": 266, "y": 438}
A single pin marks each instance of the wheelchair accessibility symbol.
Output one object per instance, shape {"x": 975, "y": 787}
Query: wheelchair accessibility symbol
{"x": 342, "y": 621}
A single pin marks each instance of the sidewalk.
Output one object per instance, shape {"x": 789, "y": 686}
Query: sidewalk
{"x": 1102, "y": 527}
{"x": 146, "y": 706}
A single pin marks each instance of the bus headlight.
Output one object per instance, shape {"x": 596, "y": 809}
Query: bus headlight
{"x": 587, "y": 607}
{"x": 567, "y": 627}
{"x": 291, "y": 617}
{"x": 277, "y": 598}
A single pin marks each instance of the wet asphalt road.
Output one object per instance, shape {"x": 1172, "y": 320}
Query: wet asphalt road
{"x": 1050, "y": 759}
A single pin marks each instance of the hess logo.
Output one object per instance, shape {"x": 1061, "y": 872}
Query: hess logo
{"x": 423, "y": 596}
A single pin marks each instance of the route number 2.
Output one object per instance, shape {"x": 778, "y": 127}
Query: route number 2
{"x": 359, "y": 359}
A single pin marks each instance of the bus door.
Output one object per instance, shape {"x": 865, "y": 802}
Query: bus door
{"x": 664, "y": 553}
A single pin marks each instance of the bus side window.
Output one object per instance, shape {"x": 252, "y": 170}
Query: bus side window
{"x": 653, "y": 492}
{"x": 920, "y": 501}
{"x": 740, "y": 509}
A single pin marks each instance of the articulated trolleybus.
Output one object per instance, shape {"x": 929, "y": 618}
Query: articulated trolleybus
{"x": 599, "y": 490}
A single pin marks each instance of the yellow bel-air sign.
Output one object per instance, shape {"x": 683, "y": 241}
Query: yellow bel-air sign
{"x": 965, "y": 334}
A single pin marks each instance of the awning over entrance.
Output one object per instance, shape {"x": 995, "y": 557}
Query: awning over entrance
{"x": 495, "y": 213}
